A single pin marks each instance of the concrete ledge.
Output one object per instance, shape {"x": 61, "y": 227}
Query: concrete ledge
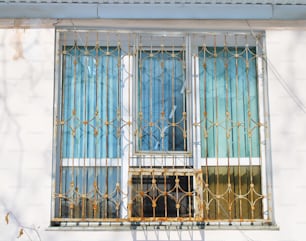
{"x": 162, "y": 226}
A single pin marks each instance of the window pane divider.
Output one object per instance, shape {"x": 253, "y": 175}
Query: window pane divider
{"x": 91, "y": 162}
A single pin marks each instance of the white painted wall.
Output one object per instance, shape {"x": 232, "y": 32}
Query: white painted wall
{"x": 26, "y": 115}
{"x": 26, "y": 97}
{"x": 286, "y": 55}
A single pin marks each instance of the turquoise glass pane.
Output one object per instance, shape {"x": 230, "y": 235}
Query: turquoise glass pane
{"x": 229, "y": 102}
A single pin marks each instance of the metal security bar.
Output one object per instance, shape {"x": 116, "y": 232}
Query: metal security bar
{"x": 160, "y": 127}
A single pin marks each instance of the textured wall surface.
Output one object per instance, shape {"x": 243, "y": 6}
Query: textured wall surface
{"x": 26, "y": 97}
{"x": 287, "y": 85}
{"x": 26, "y": 116}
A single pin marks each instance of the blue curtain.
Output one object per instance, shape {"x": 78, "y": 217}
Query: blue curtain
{"x": 90, "y": 128}
{"x": 229, "y": 102}
{"x": 90, "y": 102}
{"x": 161, "y": 101}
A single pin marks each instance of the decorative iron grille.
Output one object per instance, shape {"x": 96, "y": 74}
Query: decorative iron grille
{"x": 153, "y": 127}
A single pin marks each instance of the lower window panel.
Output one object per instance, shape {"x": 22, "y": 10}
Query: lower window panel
{"x": 161, "y": 196}
{"x": 89, "y": 193}
{"x": 213, "y": 193}
{"x": 232, "y": 193}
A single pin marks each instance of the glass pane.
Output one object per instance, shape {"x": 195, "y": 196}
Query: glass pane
{"x": 90, "y": 192}
{"x": 90, "y": 102}
{"x": 161, "y": 101}
{"x": 232, "y": 193}
{"x": 229, "y": 102}
{"x": 162, "y": 196}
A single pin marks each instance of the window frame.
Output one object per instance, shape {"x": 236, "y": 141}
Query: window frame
{"x": 150, "y": 46}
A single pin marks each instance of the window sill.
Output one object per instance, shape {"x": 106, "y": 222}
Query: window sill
{"x": 127, "y": 226}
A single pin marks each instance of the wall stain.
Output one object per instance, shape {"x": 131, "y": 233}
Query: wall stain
{"x": 17, "y": 44}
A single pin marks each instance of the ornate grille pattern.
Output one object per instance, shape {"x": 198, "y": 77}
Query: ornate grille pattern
{"x": 230, "y": 129}
{"x": 162, "y": 98}
{"x": 232, "y": 193}
{"x": 164, "y": 194}
{"x": 154, "y": 127}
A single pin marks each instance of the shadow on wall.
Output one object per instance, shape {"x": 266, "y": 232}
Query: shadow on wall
{"x": 163, "y": 235}
{"x": 8, "y": 122}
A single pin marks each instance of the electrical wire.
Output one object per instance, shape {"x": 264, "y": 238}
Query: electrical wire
{"x": 283, "y": 82}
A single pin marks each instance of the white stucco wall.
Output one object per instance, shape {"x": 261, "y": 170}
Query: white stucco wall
{"x": 26, "y": 86}
{"x": 286, "y": 54}
{"x": 26, "y": 116}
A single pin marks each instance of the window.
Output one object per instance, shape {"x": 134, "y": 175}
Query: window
{"x": 154, "y": 128}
